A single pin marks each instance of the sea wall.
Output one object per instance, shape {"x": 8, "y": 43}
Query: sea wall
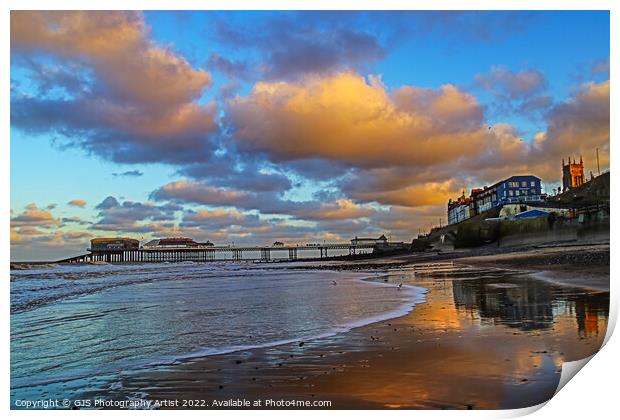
{"x": 518, "y": 232}
{"x": 593, "y": 226}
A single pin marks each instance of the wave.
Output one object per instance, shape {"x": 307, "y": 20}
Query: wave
{"x": 414, "y": 295}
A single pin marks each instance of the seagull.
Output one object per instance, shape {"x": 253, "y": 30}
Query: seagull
{"x": 334, "y": 282}
{"x": 400, "y": 286}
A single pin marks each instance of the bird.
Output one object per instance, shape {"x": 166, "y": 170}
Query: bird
{"x": 400, "y": 286}
{"x": 334, "y": 282}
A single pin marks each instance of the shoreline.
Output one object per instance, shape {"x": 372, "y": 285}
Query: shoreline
{"x": 443, "y": 353}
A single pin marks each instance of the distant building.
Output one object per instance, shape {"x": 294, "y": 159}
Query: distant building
{"x": 513, "y": 190}
{"x": 114, "y": 244}
{"x": 151, "y": 244}
{"x": 572, "y": 174}
{"x": 459, "y": 209}
{"x": 381, "y": 240}
{"x": 516, "y": 189}
{"x": 176, "y": 243}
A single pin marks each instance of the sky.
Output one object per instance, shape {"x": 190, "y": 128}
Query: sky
{"x": 251, "y": 127}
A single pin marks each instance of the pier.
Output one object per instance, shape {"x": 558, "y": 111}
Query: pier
{"x": 215, "y": 253}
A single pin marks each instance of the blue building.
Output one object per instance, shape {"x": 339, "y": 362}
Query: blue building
{"x": 516, "y": 189}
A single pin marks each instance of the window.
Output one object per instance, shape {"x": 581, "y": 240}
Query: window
{"x": 516, "y": 192}
{"x": 510, "y": 193}
{"x": 533, "y": 183}
{"x": 524, "y": 184}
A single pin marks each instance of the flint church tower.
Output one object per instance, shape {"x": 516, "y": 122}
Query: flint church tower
{"x": 572, "y": 174}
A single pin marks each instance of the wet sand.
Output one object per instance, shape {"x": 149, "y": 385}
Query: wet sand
{"x": 582, "y": 266}
{"x": 485, "y": 338}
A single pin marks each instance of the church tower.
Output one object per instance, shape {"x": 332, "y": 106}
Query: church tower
{"x": 572, "y": 174}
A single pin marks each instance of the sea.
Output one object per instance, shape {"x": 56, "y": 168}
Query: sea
{"x": 76, "y": 329}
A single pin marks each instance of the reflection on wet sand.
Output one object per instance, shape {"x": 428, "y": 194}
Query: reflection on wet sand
{"x": 483, "y": 339}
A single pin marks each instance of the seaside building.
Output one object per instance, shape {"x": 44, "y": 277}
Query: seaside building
{"x": 514, "y": 190}
{"x": 572, "y": 174}
{"x": 114, "y": 244}
{"x": 176, "y": 243}
{"x": 381, "y": 240}
{"x": 459, "y": 209}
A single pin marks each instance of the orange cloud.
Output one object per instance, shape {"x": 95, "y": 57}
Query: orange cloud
{"x": 33, "y": 216}
{"x": 580, "y": 125}
{"x": 112, "y": 41}
{"x": 141, "y": 103}
{"x": 339, "y": 210}
{"x": 195, "y": 192}
{"x": 344, "y": 118}
{"x": 78, "y": 202}
{"x": 413, "y": 195}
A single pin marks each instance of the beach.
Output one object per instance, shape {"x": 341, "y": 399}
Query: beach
{"x": 489, "y": 335}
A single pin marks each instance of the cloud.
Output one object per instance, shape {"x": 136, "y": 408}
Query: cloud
{"x": 194, "y": 192}
{"x": 515, "y": 85}
{"x": 344, "y": 119}
{"x": 460, "y": 26}
{"x": 75, "y": 220}
{"x": 134, "y": 173}
{"x": 535, "y": 104}
{"x": 78, "y": 202}
{"x": 293, "y": 45}
{"x": 231, "y": 68}
{"x": 412, "y": 146}
{"x": 600, "y": 67}
{"x": 318, "y": 169}
{"x": 132, "y": 216}
{"x": 107, "y": 203}
{"x": 219, "y": 219}
{"x": 268, "y": 202}
{"x": 37, "y": 234}
{"x": 141, "y": 103}
{"x": 580, "y": 125}
{"x": 34, "y": 217}
{"x": 341, "y": 209}
{"x": 415, "y": 195}
{"x": 243, "y": 175}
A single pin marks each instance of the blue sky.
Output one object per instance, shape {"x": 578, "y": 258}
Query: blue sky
{"x": 258, "y": 126}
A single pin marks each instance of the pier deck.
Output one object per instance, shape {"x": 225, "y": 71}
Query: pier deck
{"x": 214, "y": 253}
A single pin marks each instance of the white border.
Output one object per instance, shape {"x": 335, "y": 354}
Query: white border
{"x": 591, "y": 395}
